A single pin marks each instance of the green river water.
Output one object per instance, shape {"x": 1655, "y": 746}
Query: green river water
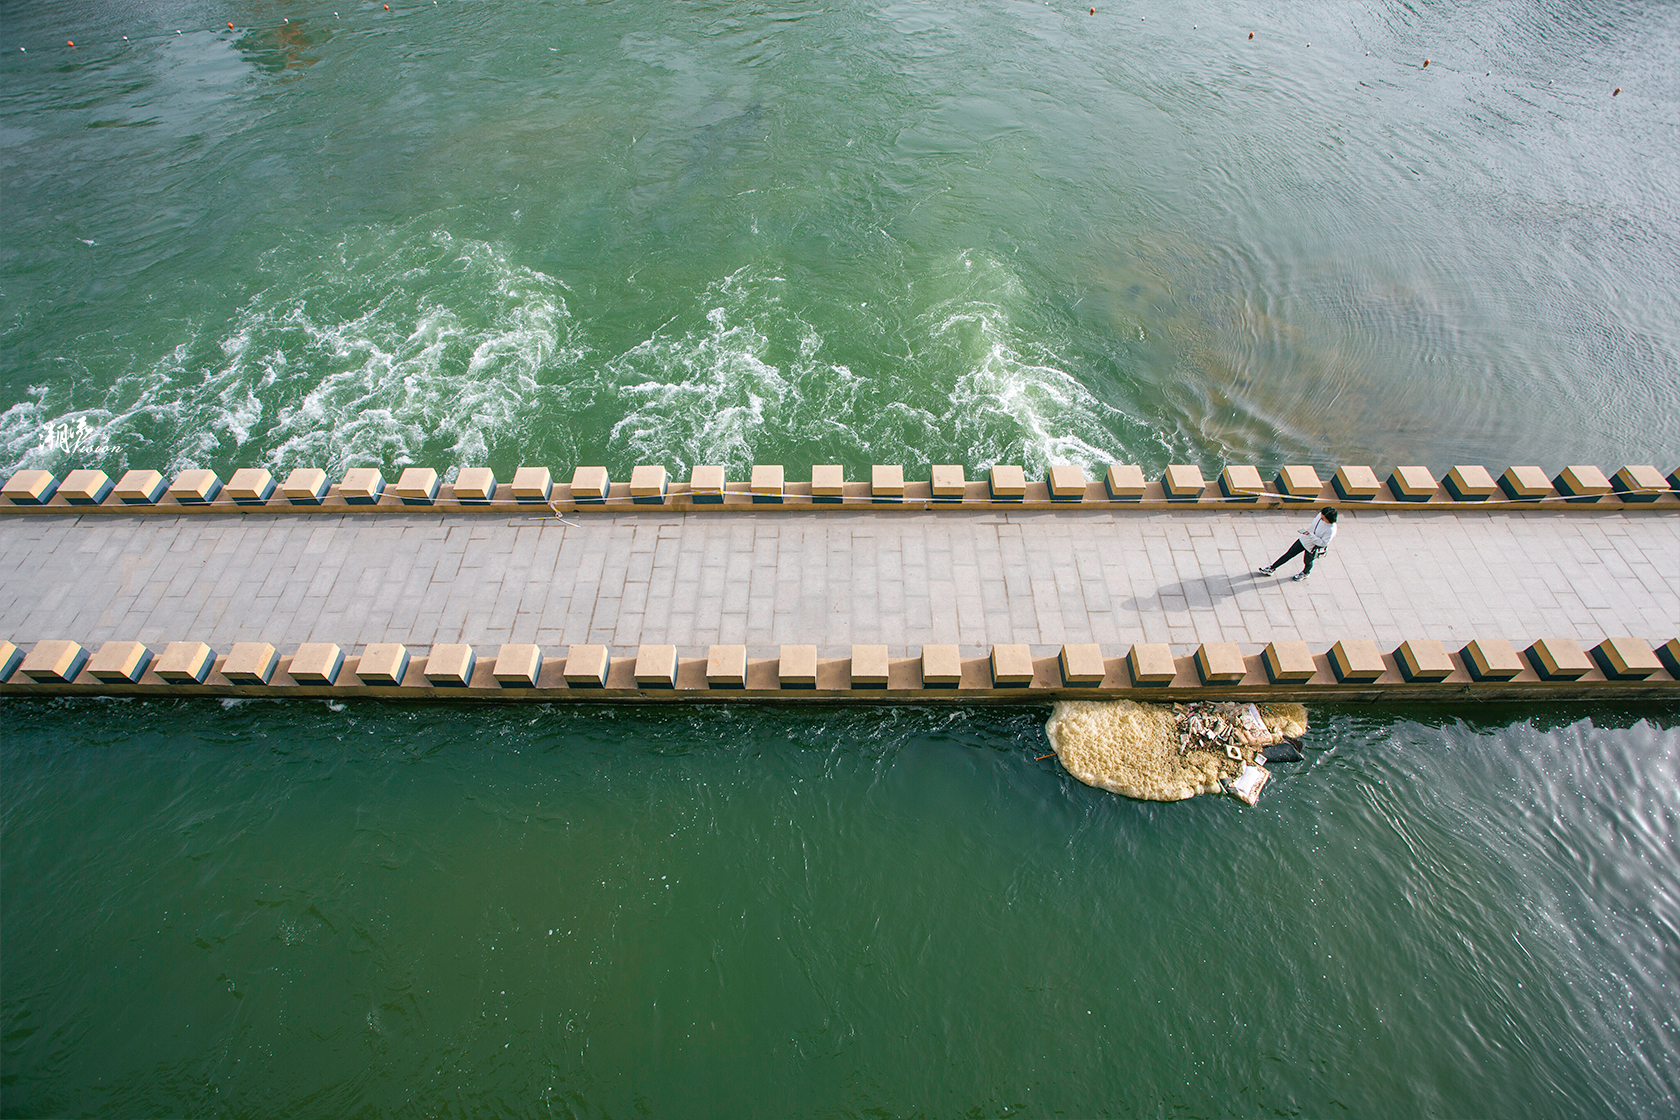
{"x": 472, "y": 233}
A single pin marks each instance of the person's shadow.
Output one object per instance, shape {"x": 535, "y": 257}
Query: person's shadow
{"x": 1198, "y": 594}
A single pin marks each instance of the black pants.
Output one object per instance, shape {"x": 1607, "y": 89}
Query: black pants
{"x": 1295, "y": 550}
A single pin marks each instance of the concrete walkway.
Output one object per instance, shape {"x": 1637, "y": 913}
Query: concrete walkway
{"x": 902, "y": 579}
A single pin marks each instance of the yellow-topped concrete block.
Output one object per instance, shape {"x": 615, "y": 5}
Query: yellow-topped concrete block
{"x": 941, "y": 667}
{"x": 532, "y": 484}
{"x": 796, "y": 667}
{"x": 1525, "y": 483}
{"x": 451, "y": 665}
{"x": 1220, "y": 663}
{"x": 1356, "y": 661}
{"x": 250, "y": 663}
{"x": 316, "y": 663}
{"x": 517, "y": 665}
{"x": 886, "y": 482}
{"x": 1083, "y": 665}
{"x": 1290, "y": 662}
{"x": 1669, "y": 654}
{"x": 305, "y": 486}
{"x": 706, "y": 484}
{"x": 869, "y": 666}
{"x": 768, "y": 483}
{"x": 649, "y": 484}
{"x": 417, "y": 486}
{"x": 1299, "y": 481}
{"x": 250, "y": 486}
{"x": 1559, "y": 659}
{"x": 184, "y": 663}
{"x": 1183, "y": 481}
{"x": 1639, "y": 483}
{"x": 85, "y": 487}
{"x": 1356, "y": 484}
{"x": 120, "y": 662}
{"x": 1067, "y": 482}
{"x": 362, "y": 486}
{"x": 828, "y": 482}
{"x": 1470, "y": 483}
{"x": 1152, "y": 663}
{"x": 591, "y": 485}
{"x": 1007, "y": 483}
{"x": 1125, "y": 482}
{"x": 30, "y": 488}
{"x": 54, "y": 662}
{"x": 1491, "y": 659}
{"x": 1424, "y": 659}
{"x": 475, "y": 485}
{"x": 726, "y": 667}
{"x": 10, "y": 658}
{"x": 383, "y": 663}
{"x": 1413, "y": 484}
{"x": 1626, "y": 659}
{"x": 1012, "y": 666}
{"x": 1242, "y": 483}
{"x": 656, "y": 666}
{"x": 949, "y": 482}
{"x": 587, "y": 666}
{"x": 1582, "y": 483}
{"x": 140, "y": 488}
{"x": 195, "y": 487}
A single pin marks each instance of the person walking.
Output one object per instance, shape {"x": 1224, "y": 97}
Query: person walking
{"x": 1312, "y": 542}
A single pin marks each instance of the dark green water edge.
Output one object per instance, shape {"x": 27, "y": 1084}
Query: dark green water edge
{"x": 255, "y": 909}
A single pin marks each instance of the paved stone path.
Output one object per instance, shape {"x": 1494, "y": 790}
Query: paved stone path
{"x": 832, "y": 579}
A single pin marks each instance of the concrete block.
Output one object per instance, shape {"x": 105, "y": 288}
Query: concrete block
{"x": 250, "y": 486}
{"x": 1356, "y": 484}
{"x": 1012, "y": 666}
{"x": 706, "y": 485}
{"x": 517, "y": 665}
{"x": 305, "y": 486}
{"x": 941, "y": 667}
{"x": 1491, "y": 659}
{"x": 10, "y": 658}
{"x": 1008, "y": 483}
{"x": 1082, "y": 665}
{"x": 586, "y": 666}
{"x": 140, "y": 488}
{"x": 1626, "y": 659}
{"x": 451, "y": 666}
{"x": 417, "y": 486}
{"x": 250, "y": 663}
{"x": 1582, "y": 484}
{"x": 532, "y": 484}
{"x": 1289, "y": 662}
{"x": 1424, "y": 660}
{"x": 55, "y": 662}
{"x": 656, "y": 666}
{"x": 86, "y": 488}
{"x": 949, "y": 483}
{"x": 591, "y": 485}
{"x": 1183, "y": 482}
{"x": 30, "y": 488}
{"x": 316, "y": 663}
{"x": 1639, "y": 484}
{"x": 195, "y": 487}
{"x": 383, "y": 663}
{"x": 828, "y": 483}
{"x": 869, "y": 666}
{"x": 886, "y": 483}
{"x": 1413, "y": 484}
{"x": 649, "y": 484}
{"x": 1470, "y": 483}
{"x": 1356, "y": 661}
{"x": 1674, "y": 480}
{"x": 1125, "y": 482}
{"x": 185, "y": 663}
{"x": 1525, "y": 483}
{"x": 475, "y": 485}
{"x": 768, "y": 484}
{"x": 1242, "y": 483}
{"x": 1220, "y": 663}
{"x": 362, "y": 486}
{"x": 726, "y": 667}
{"x": 1067, "y": 482}
{"x": 120, "y": 662}
{"x": 1559, "y": 659}
{"x": 1669, "y": 654}
{"x": 1152, "y": 663}
{"x": 796, "y": 667}
{"x": 1299, "y": 482}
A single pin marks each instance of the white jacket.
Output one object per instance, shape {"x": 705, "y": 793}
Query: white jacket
{"x": 1319, "y": 534}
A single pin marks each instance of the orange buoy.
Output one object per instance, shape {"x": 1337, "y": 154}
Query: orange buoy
{"x": 1093, "y": 11}
{"x": 230, "y": 27}
{"x": 1426, "y": 64}
{"x": 69, "y": 42}
{"x": 1617, "y": 92}
{"x": 1251, "y": 34}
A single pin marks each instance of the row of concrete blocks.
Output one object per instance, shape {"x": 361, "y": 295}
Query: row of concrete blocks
{"x": 518, "y": 666}
{"x": 652, "y": 485}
